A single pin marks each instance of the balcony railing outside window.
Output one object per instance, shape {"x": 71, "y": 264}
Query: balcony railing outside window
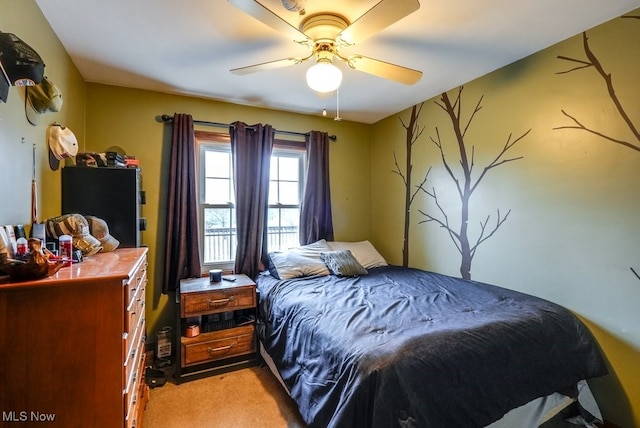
{"x": 220, "y": 242}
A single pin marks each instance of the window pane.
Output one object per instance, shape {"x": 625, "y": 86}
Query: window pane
{"x": 283, "y": 228}
{"x": 217, "y": 164}
{"x": 273, "y": 217}
{"x": 284, "y": 185}
{"x": 218, "y": 180}
{"x": 290, "y": 217}
{"x": 219, "y": 243}
{"x": 273, "y": 168}
{"x": 217, "y": 191}
{"x": 289, "y": 193}
{"x": 289, "y": 168}
{"x": 273, "y": 192}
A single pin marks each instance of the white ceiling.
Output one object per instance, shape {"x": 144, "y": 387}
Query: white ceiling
{"x": 188, "y": 47}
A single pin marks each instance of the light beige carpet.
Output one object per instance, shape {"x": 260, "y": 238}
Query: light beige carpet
{"x": 250, "y": 397}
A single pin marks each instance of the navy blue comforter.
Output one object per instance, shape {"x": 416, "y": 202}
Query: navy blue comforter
{"x": 407, "y": 348}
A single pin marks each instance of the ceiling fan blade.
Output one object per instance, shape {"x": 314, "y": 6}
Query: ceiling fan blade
{"x": 380, "y": 16}
{"x": 267, "y": 17}
{"x": 383, "y": 69}
{"x": 265, "y": 66}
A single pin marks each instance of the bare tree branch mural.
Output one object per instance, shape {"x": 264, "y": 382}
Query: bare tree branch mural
{"x": 593, "y": 61}
{"x": 467, "y": 183}
{"x": 413, "y": 132}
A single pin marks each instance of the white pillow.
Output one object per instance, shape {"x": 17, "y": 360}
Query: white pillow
{"x": 312, "y": 250}
{"x": 364, "y": 252}
{"x": 299, "y": 261}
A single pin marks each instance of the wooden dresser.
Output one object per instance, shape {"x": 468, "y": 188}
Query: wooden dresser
{"x": 72, "y": 345}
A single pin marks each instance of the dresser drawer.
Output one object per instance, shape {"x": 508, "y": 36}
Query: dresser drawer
{"x": 134, "y": 318}
{"x": 132, "y": 402}
{"x": 219, "y": 300}
{"x": 218, "y": 345}
{"x": 135, "y": 310}
{"x": 133, "y": 392}
{"x": 134, "y": 357}
{"x": 136, "y": 282}
{"x": 135, "y": 414}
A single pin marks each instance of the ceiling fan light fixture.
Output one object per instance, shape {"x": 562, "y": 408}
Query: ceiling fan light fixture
{"x": 324, "y": 76}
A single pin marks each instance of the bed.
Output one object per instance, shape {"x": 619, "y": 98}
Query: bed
{"x": 359, "y": 343}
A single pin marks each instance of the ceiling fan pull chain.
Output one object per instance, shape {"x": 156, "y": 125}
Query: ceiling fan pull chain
{"x": 337, "y": 118}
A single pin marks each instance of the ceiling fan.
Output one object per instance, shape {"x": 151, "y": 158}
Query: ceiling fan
{"x": 326, "y": 34}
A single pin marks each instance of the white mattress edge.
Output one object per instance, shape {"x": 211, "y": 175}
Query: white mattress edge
{"x": 272, "y": 366}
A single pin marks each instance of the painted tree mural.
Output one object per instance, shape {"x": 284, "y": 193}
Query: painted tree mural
{"x": 413, "y": 131}
{"x": 465, "y": 181}
{"x": 592, "y": 62}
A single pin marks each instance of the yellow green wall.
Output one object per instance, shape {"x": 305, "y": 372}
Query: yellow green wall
{"x": 24, "y": 19}
{"x": 573, "y": 232}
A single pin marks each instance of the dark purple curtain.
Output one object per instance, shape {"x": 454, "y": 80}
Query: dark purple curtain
{"x": 315, "y": 216}
{"x": 182, "y": 256}
{"x": 251, "y": 149}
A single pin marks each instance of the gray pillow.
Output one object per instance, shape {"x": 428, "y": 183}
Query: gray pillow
{"x": 342, "y": 263}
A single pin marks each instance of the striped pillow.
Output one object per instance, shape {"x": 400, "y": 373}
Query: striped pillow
{"x": 342, "y": 263}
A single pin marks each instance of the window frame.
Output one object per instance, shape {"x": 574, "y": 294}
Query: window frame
{"x": 289, "y": 152}
{"x": 207, "y": 139}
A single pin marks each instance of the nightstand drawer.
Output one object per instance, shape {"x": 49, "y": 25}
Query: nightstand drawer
{"x": 218, "y": 345}
{"x": 219, "y": 300}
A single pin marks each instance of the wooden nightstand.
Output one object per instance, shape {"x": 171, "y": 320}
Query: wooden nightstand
{"x": 225, "y": 314}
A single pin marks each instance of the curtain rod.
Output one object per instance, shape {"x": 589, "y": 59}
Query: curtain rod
{"x": 167, "y": 118}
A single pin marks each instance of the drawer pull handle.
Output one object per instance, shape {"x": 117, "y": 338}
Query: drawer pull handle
{"x": 222, "y": 348}
{"x": 220, "y": 301}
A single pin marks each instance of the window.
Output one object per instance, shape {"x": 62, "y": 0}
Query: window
{"x": 217, "y": 199}
{"x": 285, "y": 195}
{"x": 217, "y": 214}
